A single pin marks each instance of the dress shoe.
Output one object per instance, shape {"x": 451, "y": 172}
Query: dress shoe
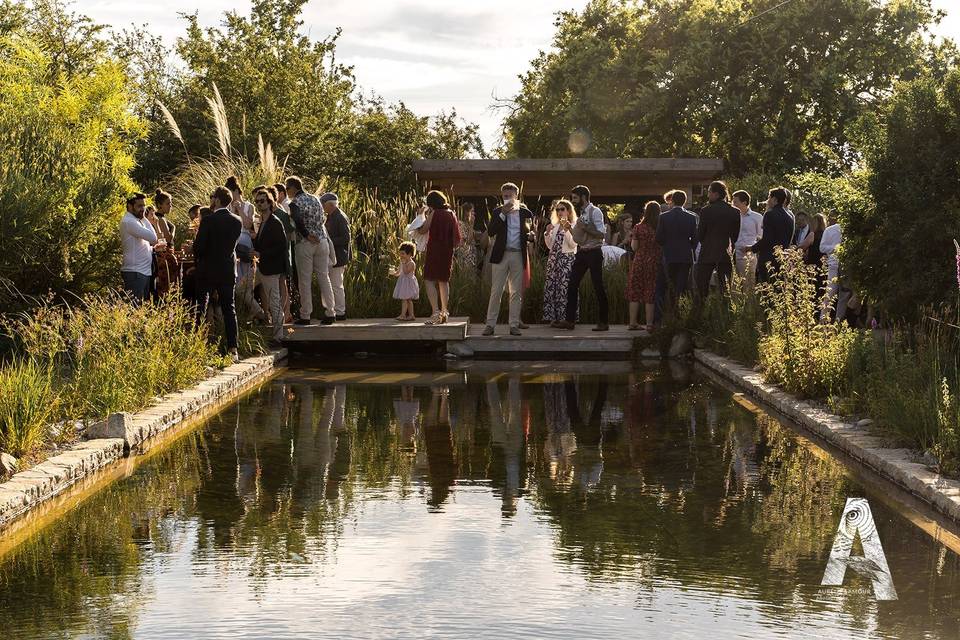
{"x": 303, "y": 322}
{"x": 602, "y": 327}
{"x": 328, "y": 320}
{"x": 488, "y": 330}
{"x": 523, "y": 325}
{"x": 515, "y": 331}
{"x": 568, "y": 326}
{"x": 341, "y": 318}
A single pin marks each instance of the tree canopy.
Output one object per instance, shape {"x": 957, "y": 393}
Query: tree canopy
{"x": 767, "y": 87}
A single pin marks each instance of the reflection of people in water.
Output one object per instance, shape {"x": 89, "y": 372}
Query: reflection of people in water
{"x": 561, "y": 443}
{"x": 588, "y": 460}
{"x": 507, "y": 436}
{"x": 406, "y": 409}
{"x": 439, "y": 445}
{"x": 313, "y": 447}
{"x": 340, "y": 465}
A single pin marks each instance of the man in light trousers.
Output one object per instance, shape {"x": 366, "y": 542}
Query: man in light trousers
{"x": 312, "y": 251}
{"x": 338, "y": 230}
{"x": 509, "y": 227}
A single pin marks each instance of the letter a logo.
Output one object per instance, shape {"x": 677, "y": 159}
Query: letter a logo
{"x": 857, "y": 519}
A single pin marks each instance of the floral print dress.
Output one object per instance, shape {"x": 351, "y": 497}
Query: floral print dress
{"x": 559, "y": 265}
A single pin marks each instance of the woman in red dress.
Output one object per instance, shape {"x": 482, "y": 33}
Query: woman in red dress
{"x": 443, "y": 237}
{"x": 642, "y": 286}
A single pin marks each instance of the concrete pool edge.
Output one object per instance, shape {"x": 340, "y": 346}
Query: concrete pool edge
{"x": 32, "y": 487}
{"x": 898, "y": 465}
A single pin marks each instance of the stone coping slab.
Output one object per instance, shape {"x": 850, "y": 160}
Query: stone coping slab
{"x": 121, "y": 435}
{"x": 898, "y": 465}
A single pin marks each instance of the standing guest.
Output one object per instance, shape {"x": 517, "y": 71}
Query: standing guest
{"x": 717, "y": 232}
{"x": 751, "y": 226}
{"x": 166, "y": 267}
{"x": 273, "y": 261}
{"x": 443, "y": 236}
{"x": 312, "y": 251}
{"x": 338, "y": 230}
{"x": 291, "y": 230}
{"x": 777, "y": 232}
{"x": 166, "y": 230}
{"x": 647, "y": 257}
{"x": 246, "y": 274}
{"x": 138, "y": 239}
{"x": 509, "y": 227}
{"x": 283, "y": 202}
{"x": 215, "y": 252}
{"x": 802, "y": 228}
{"x": 677, "y": 235}
{"x": 467, "y": 254}
{"x": 407, "y": 288}
{"x": 563, "y": 250}
{"x": 829, "y": 244}
{"x": 812, "y": 255}
{"x": 588, "y": 232}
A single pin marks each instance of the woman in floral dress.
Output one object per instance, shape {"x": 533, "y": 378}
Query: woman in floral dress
{"x": 559, "y": 239}
{"x": 642, "y": 286}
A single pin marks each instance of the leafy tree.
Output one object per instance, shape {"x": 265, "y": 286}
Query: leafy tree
{"x": 900, "y": 250}
{"x": 66, "y": 152}
{"x": 275, "y": 82}
{"x": 766, "y": 87}
{"x": 378, "y": 147}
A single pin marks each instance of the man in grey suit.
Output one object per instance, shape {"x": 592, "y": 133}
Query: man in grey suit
{"x": 677, "y": 236}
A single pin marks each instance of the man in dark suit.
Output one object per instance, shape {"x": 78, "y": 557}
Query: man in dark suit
{"x": 778, "y": 226}
{"x": 718, "y": 231}
{"x": 215, "y": 252}
{"x": 677, "y": 235}
{"x": 509, "y": 228}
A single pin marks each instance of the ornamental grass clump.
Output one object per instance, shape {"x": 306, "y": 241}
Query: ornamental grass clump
{"x": 805, "y": 357}
{"x": 29, "y": 402}
{"x": 107, "y": 354}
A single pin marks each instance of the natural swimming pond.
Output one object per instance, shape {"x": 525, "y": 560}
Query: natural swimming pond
{"x": 542, "y": 505}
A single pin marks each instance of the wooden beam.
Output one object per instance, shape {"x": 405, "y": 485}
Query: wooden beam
{"x": 712, "y": 166}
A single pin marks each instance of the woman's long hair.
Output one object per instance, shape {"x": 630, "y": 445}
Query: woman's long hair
{"x": 571, "y": 213}
{"x": 818, "y": 223}
{"x": 651, "y": 214}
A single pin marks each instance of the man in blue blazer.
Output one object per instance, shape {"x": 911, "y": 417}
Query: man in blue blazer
{"x": 677, "y": 236}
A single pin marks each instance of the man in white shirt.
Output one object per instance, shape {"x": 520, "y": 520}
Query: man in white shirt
{"x": 592, "y": 224}
{"x": 829, "y": 244}
{"x": 751, "y": 229}
{"x": 138, "y": 239}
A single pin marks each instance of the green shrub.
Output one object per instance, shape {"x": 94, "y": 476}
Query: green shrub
{"x": 805, "y": 357}
{"x": 28, "y": 404}
{"x": 731, "y": 325}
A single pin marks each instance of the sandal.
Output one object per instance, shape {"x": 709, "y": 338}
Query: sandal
{"x": 436, "y": 318}
{"x": 444, "y": 316}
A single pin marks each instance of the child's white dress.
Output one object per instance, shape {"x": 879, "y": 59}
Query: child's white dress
{"x": 407, "y": 286}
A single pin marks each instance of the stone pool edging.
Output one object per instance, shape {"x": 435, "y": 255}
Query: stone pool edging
{"x": 31, "y": 487}
{"x": 898, "y": 465}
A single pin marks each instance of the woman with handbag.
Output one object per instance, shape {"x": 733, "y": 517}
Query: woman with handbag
{"x": 563, "y": 250}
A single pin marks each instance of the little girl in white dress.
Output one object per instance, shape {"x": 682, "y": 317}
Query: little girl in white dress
{"x": 407, "y": 289}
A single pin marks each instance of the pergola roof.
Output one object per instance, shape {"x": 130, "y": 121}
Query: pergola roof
{"x": 607, "y": 177}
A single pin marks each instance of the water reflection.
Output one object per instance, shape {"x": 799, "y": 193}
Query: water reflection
{"x": 653, "y": 501}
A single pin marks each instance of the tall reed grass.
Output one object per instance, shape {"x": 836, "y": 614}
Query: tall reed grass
{"x": 87, "y": 360}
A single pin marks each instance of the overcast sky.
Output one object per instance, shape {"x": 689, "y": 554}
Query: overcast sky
{"x": 431, "y": 54}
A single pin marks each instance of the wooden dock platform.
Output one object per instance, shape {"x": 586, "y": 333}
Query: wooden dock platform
{"x": 465, "y": 340}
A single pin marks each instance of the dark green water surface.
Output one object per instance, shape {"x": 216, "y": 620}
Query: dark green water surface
{"x": 536, "y": 505}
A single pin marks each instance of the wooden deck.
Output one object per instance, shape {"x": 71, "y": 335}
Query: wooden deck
{"x": 458, "y": 337}
{"x": 377, "y": 330}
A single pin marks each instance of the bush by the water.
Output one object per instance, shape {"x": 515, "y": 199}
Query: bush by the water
{"x": 907, "y": 380}
{"x": 86, "y": 361}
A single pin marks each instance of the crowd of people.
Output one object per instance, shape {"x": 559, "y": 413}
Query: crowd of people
{"x": 261, "y": 254}
{"x": 242, "y": 252}
{"x": 671, "y": 250}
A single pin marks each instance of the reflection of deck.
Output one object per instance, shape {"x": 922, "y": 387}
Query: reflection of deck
{"x": 390, "y": 336}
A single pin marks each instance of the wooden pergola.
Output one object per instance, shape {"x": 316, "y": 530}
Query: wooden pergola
{"x": 610, "y": 180}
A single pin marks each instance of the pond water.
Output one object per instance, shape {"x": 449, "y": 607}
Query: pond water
{"x": 444, "y": 505}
